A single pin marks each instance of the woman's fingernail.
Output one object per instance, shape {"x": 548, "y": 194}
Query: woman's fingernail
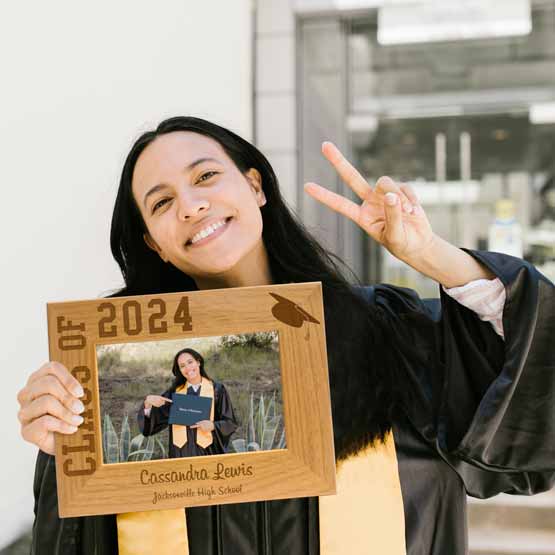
{"x": 77, "y": 420}
{"x": 77, "y": 407}
{"x": 78, "y": 391}
{"x": 391, "y": 199}
{"x": 408, "y": 207}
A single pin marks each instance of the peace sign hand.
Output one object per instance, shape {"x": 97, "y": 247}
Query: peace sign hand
{"x": 389, "y": 213}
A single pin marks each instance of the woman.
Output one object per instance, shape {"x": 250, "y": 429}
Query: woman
{"x": 206, "y": 437}
{"x": 429, "y": 392}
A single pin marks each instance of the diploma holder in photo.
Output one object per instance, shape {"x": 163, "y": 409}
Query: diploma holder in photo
{"x": 187, "y": 410}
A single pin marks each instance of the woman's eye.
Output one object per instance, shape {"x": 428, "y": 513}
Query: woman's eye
{"x": 210, "y": 173}
{"x": 159, "y": 204}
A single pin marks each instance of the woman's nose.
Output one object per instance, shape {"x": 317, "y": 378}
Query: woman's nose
{"x": 189, "y": 206}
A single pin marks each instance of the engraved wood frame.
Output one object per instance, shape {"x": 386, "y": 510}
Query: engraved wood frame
{"x": 87, "y": 486}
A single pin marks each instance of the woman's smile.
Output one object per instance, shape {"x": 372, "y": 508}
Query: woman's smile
{"x": 209, "y": 233}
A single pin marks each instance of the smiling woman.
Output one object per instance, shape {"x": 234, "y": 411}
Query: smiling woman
{"x": 431, "y": 400}
{"x": 207, "y": 437}
{"x": 200, "y": 212}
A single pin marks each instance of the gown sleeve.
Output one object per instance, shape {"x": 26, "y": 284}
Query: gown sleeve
{"x": 225, "y": 422}
{"x": 157, "y": 420}
{"x": 487, "y": 405}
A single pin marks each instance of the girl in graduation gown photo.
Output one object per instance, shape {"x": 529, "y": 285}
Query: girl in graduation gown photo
{"x": 207, "y": 437}
{"x": 431, "y": 399}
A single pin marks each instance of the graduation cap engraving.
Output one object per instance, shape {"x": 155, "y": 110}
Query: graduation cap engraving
{"x": 290, "y": 313}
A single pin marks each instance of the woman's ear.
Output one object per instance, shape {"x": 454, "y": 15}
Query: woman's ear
{"x": 255, "y": 180}
{"x": 151, "y": 243}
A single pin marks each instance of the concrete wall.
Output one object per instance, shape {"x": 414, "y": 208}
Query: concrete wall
{"x": 299, "y": 102}
{"x": 275, "y": 91}
{"x": 80, "y": 81}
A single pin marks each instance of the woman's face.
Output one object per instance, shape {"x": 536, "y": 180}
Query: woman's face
{"x": 190, "y": 368}
{"x": 202, "y": 214}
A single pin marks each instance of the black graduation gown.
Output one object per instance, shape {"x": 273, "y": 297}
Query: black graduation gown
{"x": 225, "y": 424}
{"x": 482, "y": 421}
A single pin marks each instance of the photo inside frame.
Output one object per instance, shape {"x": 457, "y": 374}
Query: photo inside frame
{"x": 247, "y": 417}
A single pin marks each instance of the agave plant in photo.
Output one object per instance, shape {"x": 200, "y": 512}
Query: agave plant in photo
{"x": 123, "y": 448}
{"x": 262, "y": 426}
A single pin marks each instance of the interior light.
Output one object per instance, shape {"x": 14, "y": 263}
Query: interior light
{"x": 449, "y": 20}
{"x": 542, "y": 113}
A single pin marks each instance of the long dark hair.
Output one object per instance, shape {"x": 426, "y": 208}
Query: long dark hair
{"x": 362, "y": 370}
{"x": 179, "y": 378}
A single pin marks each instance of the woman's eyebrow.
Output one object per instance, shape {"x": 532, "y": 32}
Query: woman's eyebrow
{"x": 188, "y": 168}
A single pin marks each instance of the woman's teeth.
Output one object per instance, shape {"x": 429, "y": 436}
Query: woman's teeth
{"x": 207, "y": 231}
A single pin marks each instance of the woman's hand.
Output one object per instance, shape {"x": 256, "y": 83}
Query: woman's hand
{"x": 392, "y": 216}
{"x": 390, "y": 213}
{"x": 49, "y": 403}
{"x": 156, "y": 401}
{"x": 204, "y": 425}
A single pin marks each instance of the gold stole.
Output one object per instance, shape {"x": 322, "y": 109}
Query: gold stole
{"x": 366, "y": 516}
{"x": 163, "y": 532}
{"x": 179, "y": 433}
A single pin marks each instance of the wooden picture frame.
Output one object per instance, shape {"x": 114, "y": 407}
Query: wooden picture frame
{"x": 306, "y": 467}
